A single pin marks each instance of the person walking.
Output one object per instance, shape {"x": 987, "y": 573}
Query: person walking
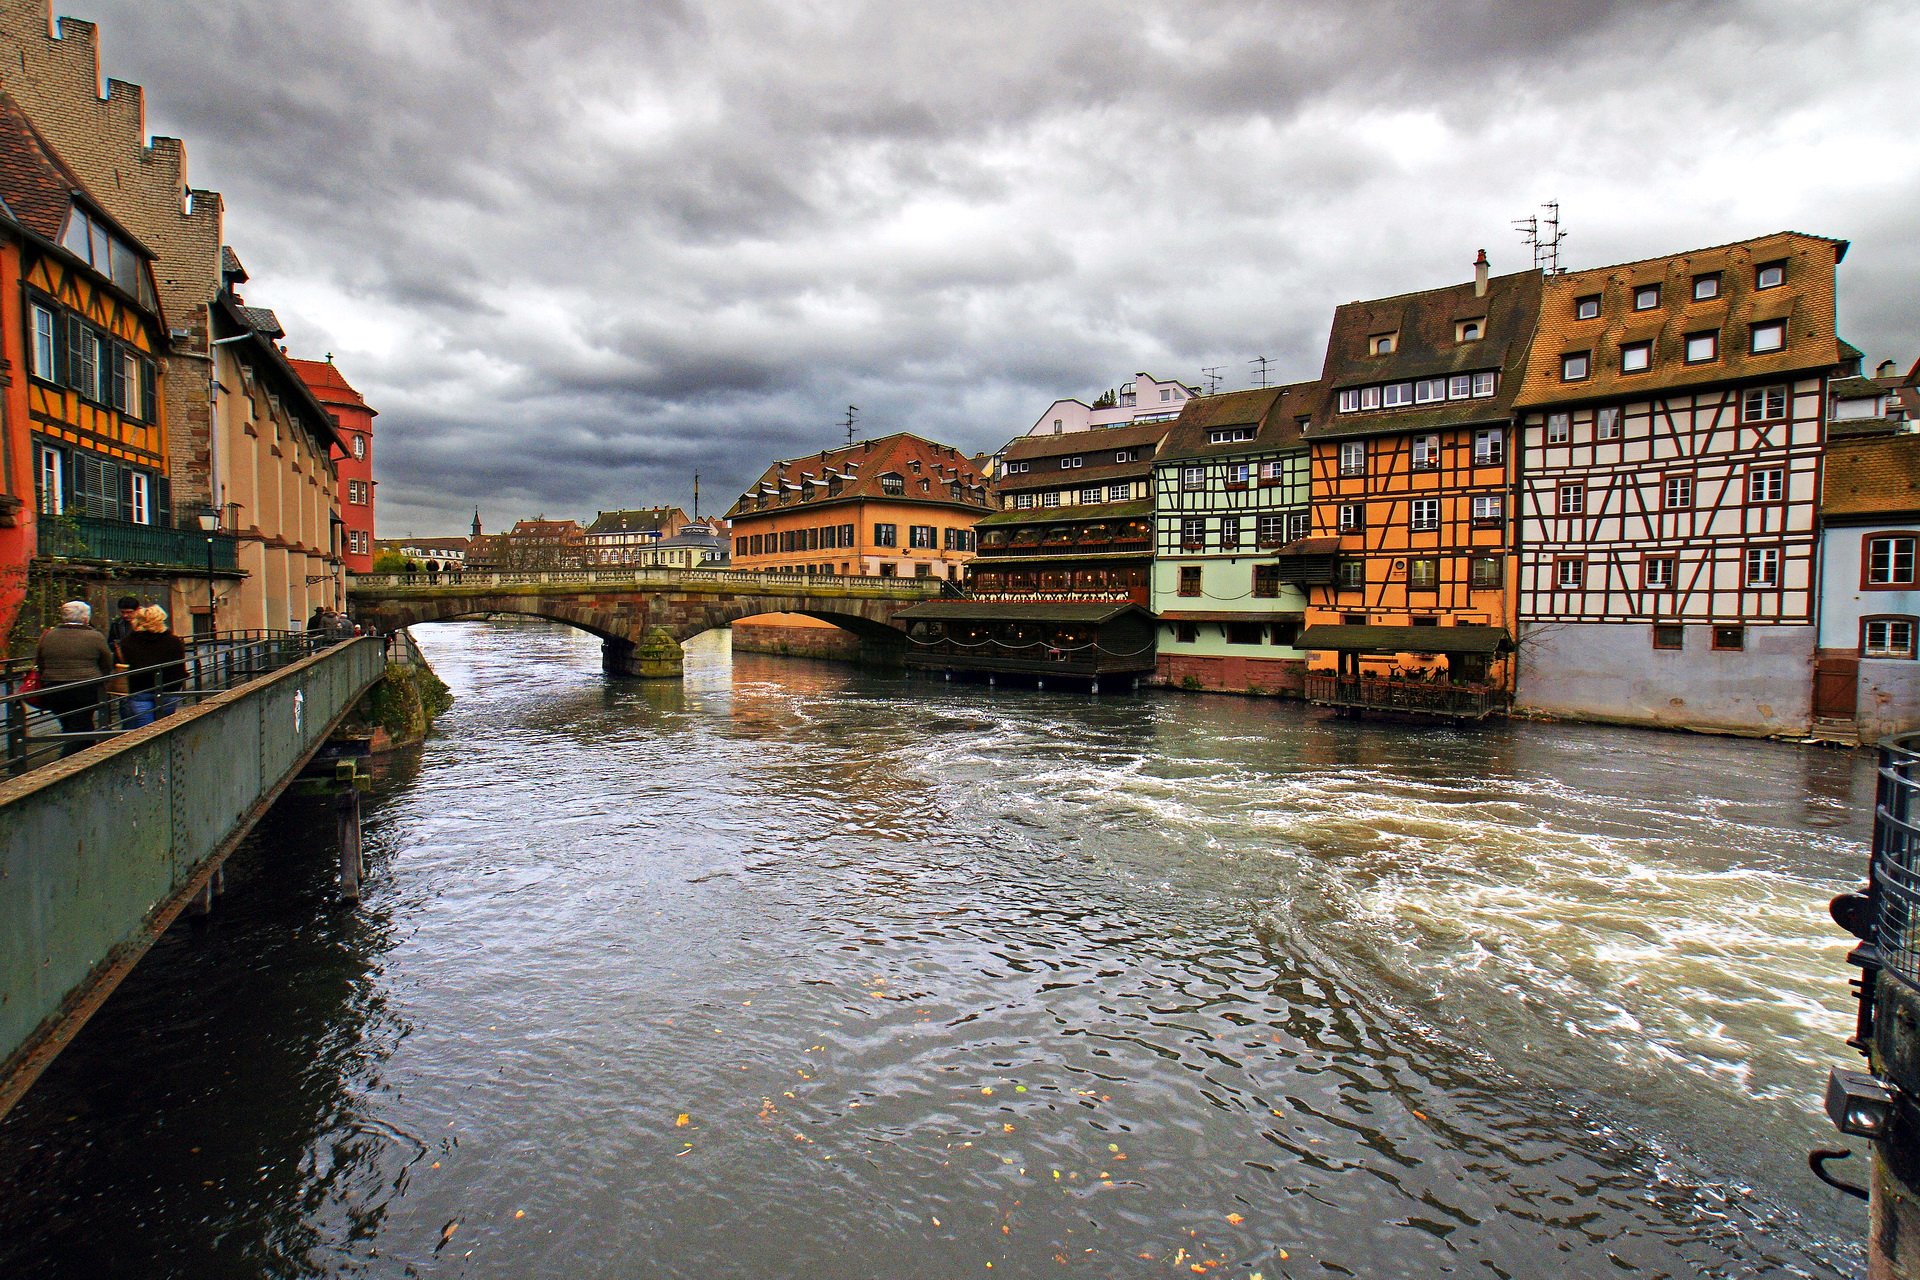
{"x": 69, "y": 655}
{"x": 318, "y": 622}
{"x": 117, "y": 630}
{"x": 122, "y": 627}
{"x": 150, "y": 692}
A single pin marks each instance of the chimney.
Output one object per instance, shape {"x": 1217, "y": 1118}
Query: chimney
{"x": 1480, "y": 275}
{"x": 1887, "y": 369}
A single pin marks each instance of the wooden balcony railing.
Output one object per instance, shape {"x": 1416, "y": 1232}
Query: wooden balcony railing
{"x": 1424, "y": 697}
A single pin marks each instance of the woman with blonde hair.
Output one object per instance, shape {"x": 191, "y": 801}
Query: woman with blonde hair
{"x": 156, "y": 659}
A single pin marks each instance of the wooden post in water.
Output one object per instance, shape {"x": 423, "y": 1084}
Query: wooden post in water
{"x": 347, "y": 820}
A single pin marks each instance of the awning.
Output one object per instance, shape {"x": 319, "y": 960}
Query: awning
{"x": 1487, "y": 640}
{"x": 1310, "y": 547}
{"x": 1092, "y": 611}
{"x": 1227, "y": 615}
{"x": 1058, "y": 559}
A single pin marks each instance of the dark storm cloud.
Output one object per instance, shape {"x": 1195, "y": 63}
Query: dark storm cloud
{"x": 576, "y": 251}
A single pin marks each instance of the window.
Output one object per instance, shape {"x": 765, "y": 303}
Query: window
{"x": 1124, "y": 455}
{"x": 139, "y": 498}
{"x": 923, "y": 571}
{"x": 1165, "y": 394}
{"x": 1068, "y": 464}
{"x": 1559, "y": 428}
{"x": 1886, "y": 637}
{"x": 1587, "y": 308}
{"x": 1460, "y": 386}
{"x": 1426, "y": 453}
{"x": 1702, "y": 347}
{"x": 1090, "y": 496}
{"x": 1489, "y": 510}
{"x": 1058, "y": 426}
{"x": 1771, "y": 336}
{"x": 1766, "y": 484}
{"x": 1763, "y": 566}
{"x": 1353, "y": 458}
{"x": 1730, "y": 638}
{"x": 1023, "y": 501}
{"x": 1193, "y": 533}
{"x": 1424, "y": 514}
{"x": 1273, "y": 530}
{"x": 1051, "y": 498}
{"x": 1186, "y": 632}
{"x": 1015, "y": 468}
{"x": 1489, "y": 447}
{"x": 1243, "y": 633}
{"x": 892, "y": 484}
{"x": 1189, "y": 579}
{"x": 1646, "y": 297}
{"x": 1636, "y": 357}
{"x": 1484, "y": 384}
{"x": 1273, "y": 473}
{"x": 886, "y": 535}
{"x": 1230, "y": 435}
{"x": 1657, "y": 572}
{"x": 1396, "y": 395}
{"x": 1466, "y": 331}
{"x": 45, "y": 363}
{"x": 1369, "y": 397}
{"x": 1763, "y": 403}
{"x": 1429, "y": 390}
{"x": 1353, "y": 517}
{"x": 1230, "y": 533}
{"x": 1485, "y": 572}
{"x": 1423, "y": 575}
{"x": 1770, "y": 275}
{"x": 1573, "y": 366}
{"x": 1238, "y": 474}
{"x": 1351, "y": 575}
{"x": 1706, "y": 286}
{"x": 1677, "y": 493}
{"x": 1349, "y": 401}
{"x": 1284, "y": 631}
{"x": 1573, "y": 499}
{"x": 1570, "y": 574}
{"x": 1606, "y": 424}
{"x": 1119, "y": 492}
{"x": 50, "y": 478}
{"x": 1193, "y": 478}
{"x": 913, "y": 465}
{"x": 359, "y": 446}
{"x": 888, "y": 569}
{"x": 1669, "y": 635}
{"x": 1381, "y": 344}
{"x": 1299, "y": 525}
{"x": 1890, "y": 561}
{"x": 920, "y": 535}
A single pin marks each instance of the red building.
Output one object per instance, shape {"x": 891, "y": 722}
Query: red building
{"x": 355, "y": 424}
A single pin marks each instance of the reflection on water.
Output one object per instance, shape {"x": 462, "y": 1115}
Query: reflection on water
{"x": 794, "y": 970}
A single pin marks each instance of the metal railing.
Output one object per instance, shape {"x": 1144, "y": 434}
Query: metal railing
{"x": 1427, "y": 697}
{"x": 37, "y": 736}
{"x": 124, "y": 542}
{"x": 1895, "y": 868}
{"x": 656, "y": 575}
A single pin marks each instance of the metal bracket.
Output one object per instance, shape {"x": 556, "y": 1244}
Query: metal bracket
{"x": 1817, "y": 1161}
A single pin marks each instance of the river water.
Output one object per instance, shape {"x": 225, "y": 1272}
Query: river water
{"x": 795, "y": 970}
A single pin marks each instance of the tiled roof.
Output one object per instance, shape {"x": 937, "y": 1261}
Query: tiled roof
{"x": 1129, "y": 436}
{"x": 326, "y": 382}
{"x": 859, "y": 467}
{"x": 1079, "y": 513}
{"x": 1274, "y": 413}
{"x": 1805, "y": 302}
{"x": 639, "y": 518}
{"x": 1874, "y": 475}
{"x": 1425, "y": 326}
{"x": 1857, "y": 388}
{"x": 37, "y": 186}
{"x": 262, "y": 320}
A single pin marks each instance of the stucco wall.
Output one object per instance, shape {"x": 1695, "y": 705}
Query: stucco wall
{"x": 1612, "y": 672}
{"x": 1888, "y": 701}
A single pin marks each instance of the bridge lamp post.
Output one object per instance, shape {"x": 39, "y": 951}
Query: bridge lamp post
{"x": 209, "y": 518}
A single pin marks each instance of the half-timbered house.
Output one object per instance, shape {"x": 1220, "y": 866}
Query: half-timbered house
{"x": 1866, "y": 681}
{"x": 1672, "y": 438}
{"x": 1412, "y": 482}
{"x": 1232, "y": 554}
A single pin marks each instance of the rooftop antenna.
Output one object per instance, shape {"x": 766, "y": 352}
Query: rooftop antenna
{"x": 1543, "y": 236}
{"x": 851, "y": 410}
{"x": 1212, "y": 376}
{"x": 1261, "y": 373}
{"x": 696, "y": 496}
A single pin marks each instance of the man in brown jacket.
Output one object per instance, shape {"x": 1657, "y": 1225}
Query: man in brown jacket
{"x": 70, "y": 653}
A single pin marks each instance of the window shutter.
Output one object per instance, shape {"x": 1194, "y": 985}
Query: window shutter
{"x": 149, "y": 394}
{"x": 65, "y": 359}
{"x": 76, "y": 346}
{"x": 162, "y": 500}
{"x": 117, "y": 355}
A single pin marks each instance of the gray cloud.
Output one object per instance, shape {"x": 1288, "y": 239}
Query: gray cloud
{"x": 575, "y": 252}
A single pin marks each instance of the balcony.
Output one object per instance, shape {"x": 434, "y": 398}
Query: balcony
{"x": 123, "y": 542}
{"x": 1417, "y": 697}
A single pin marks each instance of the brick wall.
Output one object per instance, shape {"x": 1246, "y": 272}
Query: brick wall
{"x": 798, "y": 642}
{"x": 1271, "y": 677}
{"x": 143, "y": 184}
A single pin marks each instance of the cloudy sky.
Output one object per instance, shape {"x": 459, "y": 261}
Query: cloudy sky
{"x": 576, "y": 250}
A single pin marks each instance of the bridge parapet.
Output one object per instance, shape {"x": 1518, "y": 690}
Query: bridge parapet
{"x": 643, "y": 577}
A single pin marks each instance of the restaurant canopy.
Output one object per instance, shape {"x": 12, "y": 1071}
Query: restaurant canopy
{"x": 1488, "y": 640}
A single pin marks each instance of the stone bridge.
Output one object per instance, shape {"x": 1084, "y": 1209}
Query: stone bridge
{"x": 644, "y": 614}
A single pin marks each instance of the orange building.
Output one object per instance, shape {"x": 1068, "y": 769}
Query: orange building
{"x": 353, "y": 422}
{"x": 1413, "y": 473}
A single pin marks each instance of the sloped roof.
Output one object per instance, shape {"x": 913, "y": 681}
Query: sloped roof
{"x": 1872, "y": 475}
{"x": 1857, "y": 388}
{"x": 37, "y": 187}
{"x": 1078, "y": 514}
{"x": 1405, "y": 639}
{"x": 1805, "y": 302}
{"x": 634, "y": 520}
{"x": 262, "y": 320}
{"x": 328, "y": 384}
{"x": 1274, "y": 413}
{"x": 1425, "y": 325}
{"x": 1094, "y": 611}
{"x": 940, "y": 465}
{"x": 1092, "y": 440}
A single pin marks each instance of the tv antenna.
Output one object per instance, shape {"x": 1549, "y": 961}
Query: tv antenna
{"x": 1261, "y": 373}
{"x": 852, "y": 409}
{"x": 1212, "y": 376}
{"x": 1543, "y": 236}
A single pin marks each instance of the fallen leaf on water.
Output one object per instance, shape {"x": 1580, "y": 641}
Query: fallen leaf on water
{"x": 519, "y": 1213}
{"x": 987, "y": 1090}
{"x": 1283, "y": 1255}
{"x": 682, "y": 1121}
{"x": 436, "y": 1164}
{"x": 1019, "y": 1088}
{"x": 681, "y": 1153}
{"x": 1235, "y": 1219}
{"x": 446, "y": 1234}
{"x": 1419, "y": 1114}
{"x": 1006, "y": 1128}
{"x": 936, "y": 1222}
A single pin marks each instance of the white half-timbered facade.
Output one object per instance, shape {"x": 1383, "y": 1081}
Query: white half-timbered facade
{"x": 1672, "y": 432}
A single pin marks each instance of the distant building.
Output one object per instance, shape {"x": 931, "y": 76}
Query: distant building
{"x": 353, "y": 420}
{"x": 1866, "y": 680}
{"x": 433, "y": 555}
{"x": 1145, "y": 399}
{"x": 538, "y": 544}
{"x": 619, "y": 537}
{"x": 695, "y": 546}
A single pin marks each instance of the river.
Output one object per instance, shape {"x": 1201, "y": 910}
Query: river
{"x": 795, "y": 970}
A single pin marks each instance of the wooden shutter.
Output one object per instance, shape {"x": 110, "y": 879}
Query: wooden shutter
{"x": 116, "y": 355}
{"x": 162, "y": 500}
{"x": 149, "y": 393}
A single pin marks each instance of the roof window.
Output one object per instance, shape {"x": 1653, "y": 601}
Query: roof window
{"x": 1381, "y": 344}
{"x": 1587, "y": 308}
{"x": 1468, "y": 330}
{"x": 1770, "y": 275}
{"x": 1706, "y": 286}
{"x": 1646, "y": 297}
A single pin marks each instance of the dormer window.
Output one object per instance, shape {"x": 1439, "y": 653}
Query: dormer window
{"x": 1770, "y": 275}
{"x": 1467, "y": 331}
{"x": 1706, "y": 286}
{"x": 1068, "y": 464}
{"x": 892, "y": 484}
{"x": 1646, "y": 297}
{"x": 1587, "y": 308}
{"x": 913, "y": 465}
{"x": 89, "y": 240}
{"x": 1381, "y": 344}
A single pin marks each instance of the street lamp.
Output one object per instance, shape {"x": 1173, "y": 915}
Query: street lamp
{"x": 209, "y": 518}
